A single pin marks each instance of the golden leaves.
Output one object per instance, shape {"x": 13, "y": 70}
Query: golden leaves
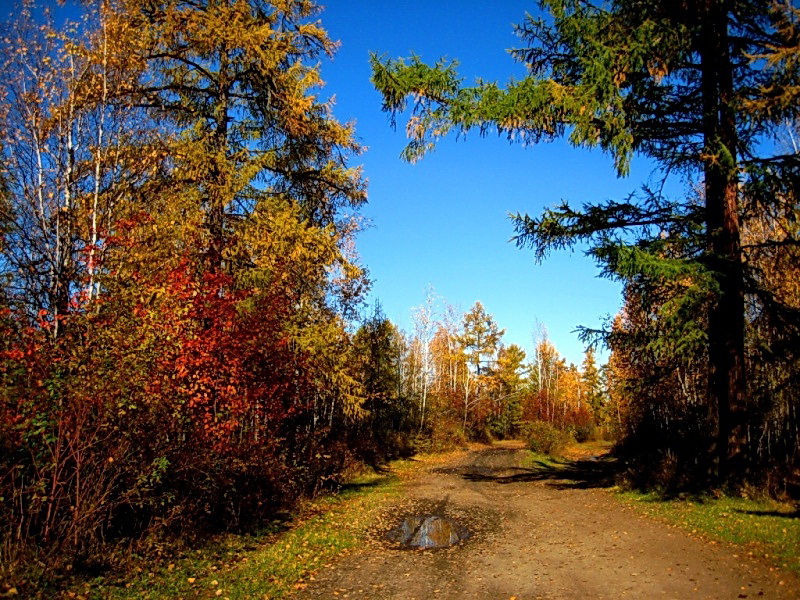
{"x": 657, "y": 68}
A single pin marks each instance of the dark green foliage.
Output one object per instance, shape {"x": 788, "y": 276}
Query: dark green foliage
{"x": 594, "y": 393}
{"x": 506, "y": 419}
{"x": 385, "y": 430}
{"x": 664, "y": 419}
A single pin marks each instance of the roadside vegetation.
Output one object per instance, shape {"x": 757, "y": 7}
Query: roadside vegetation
{"x": 283, "y": 556}
{"x": 267, "y": 564}
{"x": 763, "y": 528}
{"x": 270, "y": 563}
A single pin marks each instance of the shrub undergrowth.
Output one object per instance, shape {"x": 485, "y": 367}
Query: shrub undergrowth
{"x": 544, "y": 438}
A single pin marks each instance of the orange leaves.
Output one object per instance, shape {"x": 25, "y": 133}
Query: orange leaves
{"x": 227, "y": 368}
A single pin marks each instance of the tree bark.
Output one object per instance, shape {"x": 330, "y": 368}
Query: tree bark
{"x": 726, "y": 376}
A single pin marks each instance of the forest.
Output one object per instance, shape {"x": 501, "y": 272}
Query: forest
{"x": 185, "y": 344}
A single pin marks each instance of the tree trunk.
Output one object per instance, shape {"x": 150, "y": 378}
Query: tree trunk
{"x": 726, "y": 377}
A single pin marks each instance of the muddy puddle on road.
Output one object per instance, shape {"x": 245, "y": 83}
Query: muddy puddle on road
{"x": 435, "y": 524}
{"x": 428, "y": 531}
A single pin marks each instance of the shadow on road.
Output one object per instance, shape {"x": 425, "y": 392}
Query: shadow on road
{"x": 598, "y": 472}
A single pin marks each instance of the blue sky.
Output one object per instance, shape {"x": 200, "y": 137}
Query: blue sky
{"x": 443, "y": 222}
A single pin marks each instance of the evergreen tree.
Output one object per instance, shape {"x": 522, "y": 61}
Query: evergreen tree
{"x": 509, "y": 374}
{"x": 592, "y": 386}
{"x": 376, "y": 350}
{"x": 686, "y": 83}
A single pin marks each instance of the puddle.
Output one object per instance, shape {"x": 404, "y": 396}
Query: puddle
{"x": 428, "y": 531}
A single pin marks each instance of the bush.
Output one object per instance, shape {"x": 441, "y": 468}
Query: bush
{"x": 447, "y": 436}
{"x": 543, "y": 438}
{"x": 585, "y": 433}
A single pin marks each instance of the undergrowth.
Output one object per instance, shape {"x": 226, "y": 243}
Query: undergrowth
{"x": 271, "y": 563}
{"x": 544, "y": 438}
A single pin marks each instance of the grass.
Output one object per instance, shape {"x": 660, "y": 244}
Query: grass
{"x": 272, "y": 563}
{"x": 763, "y": 528}
{"x": 537, "y": 460}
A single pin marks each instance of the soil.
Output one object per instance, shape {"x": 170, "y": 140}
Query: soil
{"x": 537, "y": 533}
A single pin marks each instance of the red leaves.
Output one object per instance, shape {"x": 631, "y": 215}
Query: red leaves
{"x": 228, "y": 370}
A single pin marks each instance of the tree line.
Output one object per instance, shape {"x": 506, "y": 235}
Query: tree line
{"x": 452, "y": 379}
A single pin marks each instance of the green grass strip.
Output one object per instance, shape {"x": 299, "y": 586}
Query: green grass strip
{"x": 764, "y": 528}
{"x": 539, "y": 461}
{"x": 272, "y": 563}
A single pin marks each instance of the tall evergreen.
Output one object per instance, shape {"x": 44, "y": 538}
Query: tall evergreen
{"x": 685, "y": 83}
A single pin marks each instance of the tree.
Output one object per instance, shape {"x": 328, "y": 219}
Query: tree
{"x": 507, "y": 410}
{"x": 657, "y": 387}
{"x": 685, "y": 83}
{"x": 424, "y": 329}
{"x": 480, "y": 337}
{"x": 545, "y": 372}
{"x": 67, "y": 167}
{"x": 593, "y": 387}
{"x": 243, "y": 99}
{"x": 259, "y": 172}
{"x": 377, "y": 360}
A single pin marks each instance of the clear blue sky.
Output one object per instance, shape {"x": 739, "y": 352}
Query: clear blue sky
{"x": 443, "y": 222}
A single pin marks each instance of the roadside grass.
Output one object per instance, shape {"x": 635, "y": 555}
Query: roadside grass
{"x": 763, "y": 528}
{"x": 538, "y": 460}
{"x": 271, "y": 563}
{"x": 575, "y": 451}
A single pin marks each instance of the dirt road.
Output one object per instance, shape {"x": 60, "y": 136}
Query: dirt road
{"x": 535, "y": 535}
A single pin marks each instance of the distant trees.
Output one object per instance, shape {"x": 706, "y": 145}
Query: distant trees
{"x": 424, "y": 329}
{"x": 378, "y": 357}
{"x": 509, "y": 374}
{"x": 697, "y": 87}
{"x": 479, "y": 388}
{"x": 479, "y": 340}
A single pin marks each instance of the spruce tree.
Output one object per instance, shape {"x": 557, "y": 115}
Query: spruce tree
{"x": 685, "y": 83}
